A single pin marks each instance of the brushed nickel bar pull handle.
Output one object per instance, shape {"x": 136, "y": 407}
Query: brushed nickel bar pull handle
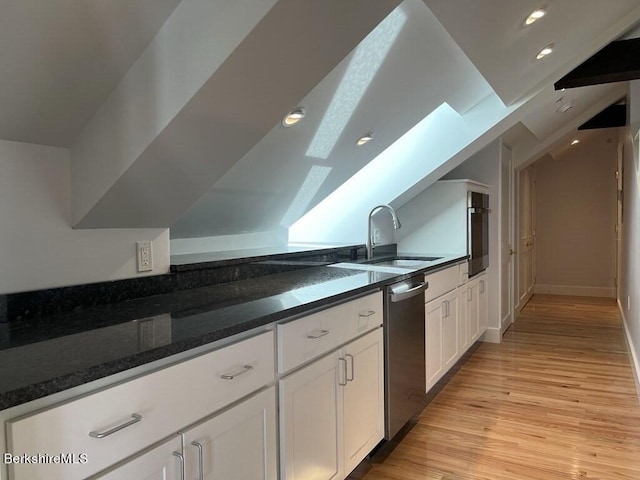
{"x": 444, "y": 309}
{"x": 353, "y": 374}
{"x": 481, "y": 286}
{"x": 231, "y": 376}
{"x": 198, "y": 445}
{"x": 318, "y": 335}
{"x": 135, "y": 418}
{"x": 345, "y": 372}
{"x": 183, "y": 473}
{"x": 368, "y": 314}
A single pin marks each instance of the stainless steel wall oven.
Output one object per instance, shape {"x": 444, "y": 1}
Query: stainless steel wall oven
{"x": 478, "y": 230}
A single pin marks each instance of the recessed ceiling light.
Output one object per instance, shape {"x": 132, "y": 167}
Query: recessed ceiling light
{"x": 575, "y": 142}
{"x": 545, "y": 51}
{"x": 293, "y": 117}
{"x": 364, "y": 139}
{"x": 537, "y": 14}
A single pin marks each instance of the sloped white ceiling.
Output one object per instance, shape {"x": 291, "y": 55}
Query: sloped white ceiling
{"x": 492, "y": 34}
{"x": 142, "y": 167}
{"x": 400, "y": 73}
{"x": 61, "y": 58}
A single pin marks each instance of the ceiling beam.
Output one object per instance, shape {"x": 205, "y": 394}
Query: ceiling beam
{"x": 617, "y": 62}
{"x": 611, "y": 117}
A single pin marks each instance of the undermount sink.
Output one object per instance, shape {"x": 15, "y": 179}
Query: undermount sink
{"x": 405, "y": 262}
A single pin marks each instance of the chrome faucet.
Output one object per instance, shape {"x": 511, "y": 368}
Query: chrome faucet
{"x": 396, "y": 225}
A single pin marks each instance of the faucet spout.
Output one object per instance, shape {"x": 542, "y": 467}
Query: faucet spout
{"x": 370, "y": 240}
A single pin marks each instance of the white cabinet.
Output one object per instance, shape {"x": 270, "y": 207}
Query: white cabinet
{"x": 434, "y": 311}
{"x": 164, "y": 462}
{"x": 450, "y": 347}
{"x": 115, "y": 423}
{"x": 237, "y": 444}
{"x": 442, "y": 349}
{"x": 474, "y": 314}
{"x": 363, "y": 417}
{"x": 483, "y": 305}
{"x": 310, "y": 421}
{"x": 455, "y": 317}
{"x": 331, "y": 411}
{"x": 473, "y": 311}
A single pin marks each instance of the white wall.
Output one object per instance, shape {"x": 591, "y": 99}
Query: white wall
{"x": 222, "y": 243}
{"x": 38, "y": 248}
{"x": 575, "y": 219}
{"x": 629, "y": 287}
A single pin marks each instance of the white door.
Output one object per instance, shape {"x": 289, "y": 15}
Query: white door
{"x": 237, "y": 444}
{"x": 311, "y": 421}
{"x": 163, "y": 462}
{"x": 526, "y": 234}
{"x": 363, "y": 398}
{"x": 506, "y": 238}
{"x": 450, "y": 350}
{"x": 619, "y": 192}
{"x": 434, "y": 311}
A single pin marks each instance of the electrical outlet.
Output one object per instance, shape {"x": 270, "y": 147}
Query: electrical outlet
{"x": 144, "y": 254}
{"x": 376, "y": 235}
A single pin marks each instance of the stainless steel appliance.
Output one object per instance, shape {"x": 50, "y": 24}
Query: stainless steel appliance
{"x": 478, "y": 231}
{"x": 405, "y": 382}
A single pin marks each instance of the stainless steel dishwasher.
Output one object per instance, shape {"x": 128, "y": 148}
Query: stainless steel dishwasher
{"x": 405, "y": 382}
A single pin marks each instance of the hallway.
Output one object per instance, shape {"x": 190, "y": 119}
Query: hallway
{"x": 555, "y": 401}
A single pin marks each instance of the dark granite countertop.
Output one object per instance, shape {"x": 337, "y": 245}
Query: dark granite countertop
{"x": 46, "y": 354}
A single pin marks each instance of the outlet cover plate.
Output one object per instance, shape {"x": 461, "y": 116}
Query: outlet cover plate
{"x": 144, "y": 256}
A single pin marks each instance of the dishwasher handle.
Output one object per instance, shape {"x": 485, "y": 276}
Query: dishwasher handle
{"x": 412, "y": 292}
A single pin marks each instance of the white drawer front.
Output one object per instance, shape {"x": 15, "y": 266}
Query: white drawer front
{"x": 167, "y": 400}
{"x": 441, "y": 282}
{"x": 309, "y": 337}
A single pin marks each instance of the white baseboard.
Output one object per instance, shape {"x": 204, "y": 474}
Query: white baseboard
{"x": 635, "y": 363}
{"x": 492, "y": 335}
{"x": 575, "y": 290}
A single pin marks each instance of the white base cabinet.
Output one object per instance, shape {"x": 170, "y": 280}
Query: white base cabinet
{"x": 164, "y": 462}
{"x": 363, "y": 417}
{"x": 454, "y": 319}
{"x": 474, "y": 314}
{"x": 237, "y": 444}
{"x": 441, "y": 336}
{"x": 331, "y": 411}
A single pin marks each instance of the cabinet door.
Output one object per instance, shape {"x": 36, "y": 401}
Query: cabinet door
{"x": 311, "y": 421}
{"x": 464, "y": 337}
{"x": 483, "y": 313}
{"x": 363, "y": 398}
{"x": 472, "y": 312}
{"x": 433, "y": 341}
{"x": 237, "y": 444}
{"x": 450, "y": 350}
{"x": 159, "y": 463}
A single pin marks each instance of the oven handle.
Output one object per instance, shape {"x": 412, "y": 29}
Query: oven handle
{"x": 412, "y": 292}
{"x": 479, "y": 210}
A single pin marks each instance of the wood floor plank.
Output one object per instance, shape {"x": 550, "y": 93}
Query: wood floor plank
{"x": 555, "y": 400}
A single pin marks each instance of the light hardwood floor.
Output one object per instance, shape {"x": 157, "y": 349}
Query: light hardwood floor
{"x": 555, "y": 400}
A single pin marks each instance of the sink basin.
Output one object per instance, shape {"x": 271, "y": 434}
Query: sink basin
{"x": 405, "y": 262}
